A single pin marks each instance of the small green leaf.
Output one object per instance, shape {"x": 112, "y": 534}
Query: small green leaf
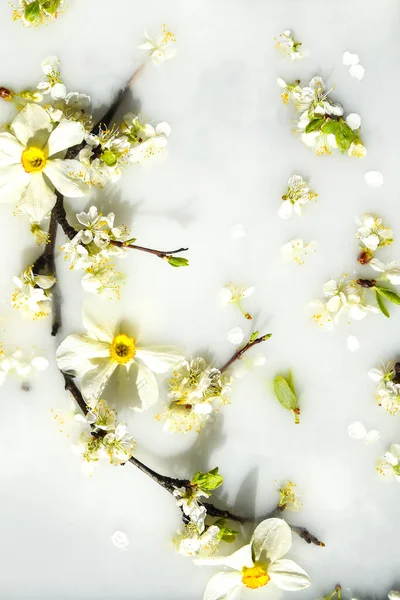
{"x": 344, "y": 136}
{"x": 208, "y": 481}
{"x": 32, "y": 11}
{"x": 330, "y": 126}
{"x": 314, "y": 125}
{"x": 286, "y": 396}
{"x": 177, "y": 261}
{"x": 129, "y": 242}
{"x": 381, "y": 305}
{"x": 253, "y": 336}
{"x": 388, "y": 294}
{"x": 226, "y": 534}
{"x": 51, "y": 6}
{"x": 291, "y": 382}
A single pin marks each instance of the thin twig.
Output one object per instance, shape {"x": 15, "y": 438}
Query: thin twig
{"x": 238, "y": 355}
{"x": 160, "y": 253}
{"x": 171, "y": 483}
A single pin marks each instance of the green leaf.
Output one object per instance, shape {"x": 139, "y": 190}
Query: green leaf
{"x": 227, "y": 535}
{"x": 388, "y": 294}
{"x": 381, "y": 305}
{"x": 253, "y": 336}
{"x": 208, "y": 481}
{"x": 32, "y": 11}
{"x": 344, "y": 136}
{"x": 286, "y": 397}
{"x": 177, "y": 261}
{"x": 51, "y": 6}
{"x": 291, "y": 382}
{"x": 314, "y": 125}
{"x": 330, "y": 126}
{"x": 131, "y": 241}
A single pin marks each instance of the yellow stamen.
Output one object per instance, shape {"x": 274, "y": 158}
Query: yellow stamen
{"x": 122, "y": 349}
{"x": 33, "y": 159}
{"x": 255, "y": 577}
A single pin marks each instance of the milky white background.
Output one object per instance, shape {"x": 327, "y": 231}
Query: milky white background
{"x": 229, "y": 158}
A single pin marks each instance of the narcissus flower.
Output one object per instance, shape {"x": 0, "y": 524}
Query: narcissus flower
{"x": 258, "y": 564}
{"x": 95, "y": 356}
{"x": 30, "y": 163}
{"x": 162, "y": 48}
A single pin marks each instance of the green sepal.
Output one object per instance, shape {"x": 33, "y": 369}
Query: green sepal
{"x": 207, "y": 481}
{"x": 381, "y": 305}
{"x": 51, "y": 6}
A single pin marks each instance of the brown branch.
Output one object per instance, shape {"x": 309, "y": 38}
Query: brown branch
{"x": 238, "y": 355}
{"x": 171, "y": 483}
{"x": 160, "y": 253}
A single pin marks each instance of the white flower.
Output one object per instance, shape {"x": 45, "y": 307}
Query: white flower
{"x": 390, "y": 270}
{"x": 298, "y": 195}
{"x": 357, "y": 431}
{"x": 162, "y": 48}
{"x": 53, "y": 84}
{"x": 95, "y": 356}
{"x": 119, "y": 444}
{"x": 388, "y": 391}
{"x": 120, "y": 540}
{"x": 102, "y": 417}
{"x": 296, "y": 250}
{"x": 17, "y": 363}
{"x": 152, "y": 145}
{"x": 373, "y": 234}
{"x": 341, "y": 296}
{"x": 319, "y": 141}
{"x": 288, "y": 499}
{"x": 389, "y": 466}
{"x": 204, "y": 544}
{"x": 257, "y": 564}
{"x": 234, "y": 294}
{"x": 187, "y": 500}
{"x": 357, "y": 149}
{"x": 193, "y": 389}
{"x": 286, "y": 42}
{"x": 383, "y": 373}
{"x": 32, "y": 294}
{"x": 29, "y": 153}
{"x": 102, "y": 277}
{"x": 374, "y": 178}
{"x": 394, "y": 595}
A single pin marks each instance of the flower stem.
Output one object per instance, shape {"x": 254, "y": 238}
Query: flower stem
{"x": 242, "y": 351}
{"x": 160, "y": 253}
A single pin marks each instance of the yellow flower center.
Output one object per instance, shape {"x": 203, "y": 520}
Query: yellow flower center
{"x": 122, "y": 349}
{"x": 255, "y": 577}
{"x": 33, "y": 159}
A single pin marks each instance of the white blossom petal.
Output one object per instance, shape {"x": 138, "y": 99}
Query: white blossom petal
{"x": 356, "y": 430}
{"x": 352, "y": 343}
{"x": 372, "y": 437}
{"x": 32, "y": 126}
{"x": 75, "y": 352}
{"x": 285, "y": 209}
{"x": 147, "y": 387}
{"x": 287, "y": 575}
{"x": 374, "y": 178}
{"x": 94, "y": 381}
{"x": 353, "y": 120}
{"x": 38, "y": 199}
{"x": 272, "y": 537}
{"x": 159, "y": 358}
{"x": 350, "y": 59}
{"x": 357, "y": 71}
{"x": 10, "y": 150}
{"x": 65, "y": 135}
{"x": 59, "y": 173}
{"x": 223, "y": 586}
{"x": 235, "y": 336}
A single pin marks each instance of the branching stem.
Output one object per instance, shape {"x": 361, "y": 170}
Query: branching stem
{"x": 238, "y": 355}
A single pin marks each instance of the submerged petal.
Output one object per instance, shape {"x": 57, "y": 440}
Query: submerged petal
{"x": 223, "y": 586}
{"x": 95, "y": 380}
{"x": 59, "y": 173}
{"x": 273, "y": 538}
{"x": 287, "y": 575}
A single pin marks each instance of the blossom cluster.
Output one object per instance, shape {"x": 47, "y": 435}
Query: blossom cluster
{"x": 33, "y": 294}
{"x": 321, "y": 124}
{"x": 372, "y": 235}
{"x": 93, "y": 248}
{"x": 388, "y": 391}
{"x": 194, "y": 390}
{"x": 37, "y": 12}
{"x": 104, "y": 438}
{"x": 34, "y": 162}
{"x": 21, "y": 366}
